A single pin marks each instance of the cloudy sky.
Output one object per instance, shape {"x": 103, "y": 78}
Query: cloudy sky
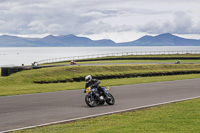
{"x": 119, "y": 20}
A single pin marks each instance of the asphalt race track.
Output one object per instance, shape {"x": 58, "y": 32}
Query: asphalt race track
{"x": 35, "y": 109}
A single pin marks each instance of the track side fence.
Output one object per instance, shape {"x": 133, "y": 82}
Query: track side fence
{"x": 115, "y": 54}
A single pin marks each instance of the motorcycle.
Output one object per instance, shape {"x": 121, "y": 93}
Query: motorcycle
{"x": 73, "y": 62}
{"x": 94, "y": 97}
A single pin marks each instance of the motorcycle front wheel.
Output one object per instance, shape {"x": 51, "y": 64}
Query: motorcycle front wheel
{"x": 90, "y": 101}
{"x": 111, "y": 100}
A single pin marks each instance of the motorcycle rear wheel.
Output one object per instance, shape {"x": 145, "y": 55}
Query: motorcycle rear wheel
{"x": 90, "y": 101}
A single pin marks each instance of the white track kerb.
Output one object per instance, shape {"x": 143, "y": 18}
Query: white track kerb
{"x": 85, "y": 117}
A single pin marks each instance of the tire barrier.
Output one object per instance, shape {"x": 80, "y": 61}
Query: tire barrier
{"x": 6, "y": 71}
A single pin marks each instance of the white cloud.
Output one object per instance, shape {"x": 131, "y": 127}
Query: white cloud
{"x": 180, "y": 23}
{"x": 99, "y": 17}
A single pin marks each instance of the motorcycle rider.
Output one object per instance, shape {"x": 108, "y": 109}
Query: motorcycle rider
{"x": 94, "y": 83}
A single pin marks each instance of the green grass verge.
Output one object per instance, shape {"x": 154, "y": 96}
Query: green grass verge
{"x": 179, "y": 117}
{"x": 19, "y": 89}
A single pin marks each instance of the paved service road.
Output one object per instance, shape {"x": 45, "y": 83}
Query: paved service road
{"x": 35, "y": 109}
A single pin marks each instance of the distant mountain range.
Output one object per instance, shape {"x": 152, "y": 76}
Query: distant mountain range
{"x": 71, "y": 40}
{"x": 166, "y": 39}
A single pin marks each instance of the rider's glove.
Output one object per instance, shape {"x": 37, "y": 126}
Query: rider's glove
{"x": 84, "y": 91}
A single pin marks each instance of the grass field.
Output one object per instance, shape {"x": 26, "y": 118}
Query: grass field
{"x": 180, "y": 117}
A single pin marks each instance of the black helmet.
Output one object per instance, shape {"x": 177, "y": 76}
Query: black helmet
{"x": 88, "y": 78}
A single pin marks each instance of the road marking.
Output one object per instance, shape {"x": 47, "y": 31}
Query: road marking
{"x": 90, "y": 116}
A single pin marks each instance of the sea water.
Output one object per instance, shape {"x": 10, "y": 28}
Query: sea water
{"x": 27, "y": 55}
